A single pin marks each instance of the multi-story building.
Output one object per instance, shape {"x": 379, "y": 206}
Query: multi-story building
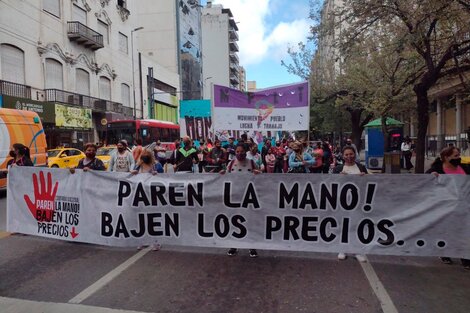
{"x": 172, "y": 37}
{"x": 242, "y": 75}
{"x": 70, "y": 61}
{"x": 220, "y": 48}
{"x": 251, "y": 85}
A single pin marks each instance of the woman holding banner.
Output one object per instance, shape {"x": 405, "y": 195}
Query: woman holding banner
{"x": 449, "y": 162}
{"x": 350, "y": 166}
{"x": 241, "y": 165}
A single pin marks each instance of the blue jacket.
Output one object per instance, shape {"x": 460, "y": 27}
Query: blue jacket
{"x": 296, "y": 163}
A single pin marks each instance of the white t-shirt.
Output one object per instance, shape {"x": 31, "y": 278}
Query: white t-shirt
{"x": 351, "y": 169}
{"x": 245, "y": 166}
{"x": 122, "y": 162}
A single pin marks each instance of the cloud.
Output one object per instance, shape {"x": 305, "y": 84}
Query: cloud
{"x": 257, "y": 42}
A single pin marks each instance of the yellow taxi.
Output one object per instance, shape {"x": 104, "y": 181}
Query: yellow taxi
{"x": 64, "y": 157}
{"x": 104, "y": 153}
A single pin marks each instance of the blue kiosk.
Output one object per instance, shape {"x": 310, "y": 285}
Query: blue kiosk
{"x": 374, "y": 141}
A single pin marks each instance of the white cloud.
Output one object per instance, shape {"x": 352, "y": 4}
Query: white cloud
{"x": 256, "y": 42}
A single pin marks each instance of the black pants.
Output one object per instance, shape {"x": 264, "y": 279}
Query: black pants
{"x": 407, "y": 155}
{"x": 279, "y": 166}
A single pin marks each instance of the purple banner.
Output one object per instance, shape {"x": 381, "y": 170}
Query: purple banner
{"x": 284, "y": 97}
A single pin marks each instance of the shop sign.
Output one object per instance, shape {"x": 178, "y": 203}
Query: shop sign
{"x": 72, "y": 117}
{"x": 45, "y": 110}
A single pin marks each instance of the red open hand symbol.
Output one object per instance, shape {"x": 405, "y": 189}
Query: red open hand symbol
{"x": 43, "y": 206}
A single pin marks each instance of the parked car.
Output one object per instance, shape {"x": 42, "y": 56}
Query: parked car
{"x": 64, "y": 157}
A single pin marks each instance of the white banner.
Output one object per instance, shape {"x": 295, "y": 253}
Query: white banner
{"x": 375, "y": 214}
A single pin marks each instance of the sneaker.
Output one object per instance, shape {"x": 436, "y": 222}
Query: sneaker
{"x": 342, "y": 256}
{"x": 156, "y": 246}
{"x": 253, "y": 253}
{"x": 361, "y": 258}
{"x": 446, "y": 260}
{"x": 232, "y": 251}
{"x": 140, "y": 247}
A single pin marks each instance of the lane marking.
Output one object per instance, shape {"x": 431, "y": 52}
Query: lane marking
{"x": 106, "y": 279}
{"x": 4, "y": 234}
{"x": 10, "y": 305}
{"x": 384, "y": 298}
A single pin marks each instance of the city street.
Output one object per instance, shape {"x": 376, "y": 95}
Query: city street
{"x": 41, "y": 275}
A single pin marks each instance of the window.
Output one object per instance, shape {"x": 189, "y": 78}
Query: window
{"x": 123, "y": 43}
{"x": 126, "y": 95}
{"x": 79, "y": 15}
{"x": 54, "y": 75}
{"x": 12, "y": 61}
{"x": 105, "y": 88}
{"x": 82, "y": 82}
{"x": 52, "y": 6}
{"x": 104, "y": 30}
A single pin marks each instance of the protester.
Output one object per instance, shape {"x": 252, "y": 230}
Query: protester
{"x": 230, "y": 148}
{"x": 90, "y": 162}
{"x": 160, "y": 153}
{"x": 216, "y": 158}
{"x": 264, "y": 151}
{"x": 254, "y": 155}
{"x": 121, "y": 160}
{"x": 241, "y": 165}
{"x": 350, "y": 144}
{"x": 407, "y": 153}
{"x": 202, "y": 153}
{"x": 137, "y": 150}
{"x": 270, "y": 160}
{"x": 328, "y": 160}
{"x": 350, "y": 166}
{"x": 185, "y": 157}
{"x": 299, "y": 161}
{"x": 280, "y": 152}
{"x": 20, "y": 155}
{"x": 147, "y": 163}
{"x": 318, "y": 155}
{"x": 449, "y": 162}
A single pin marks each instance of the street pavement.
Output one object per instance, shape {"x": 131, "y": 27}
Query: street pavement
{"x": 42, "y": 275}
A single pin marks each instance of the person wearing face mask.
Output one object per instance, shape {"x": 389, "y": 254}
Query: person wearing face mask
{"x": 254, "y": 155}
{"x": 185, "y": 157}
{"x": 20, "y": 156}
{"x": 350, "y": 167}
{"x": 90, "y": 162}
{"x": 300, "y": 161}
{"x": 449, "y": 162}
{"x": 241, "y": 164}
{"x": 265, "y": 150}
{"x": 147, "y": 164}
{"x": 280, "y": 152}
{"x": 121, "y": 160}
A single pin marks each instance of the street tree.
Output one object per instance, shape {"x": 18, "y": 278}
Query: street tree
{"x": 437, "y": 31}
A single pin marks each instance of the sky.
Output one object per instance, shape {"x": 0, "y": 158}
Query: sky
{"x": 266, "y": 29}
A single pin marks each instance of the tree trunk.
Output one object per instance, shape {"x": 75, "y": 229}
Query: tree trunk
{"x": 356, "y": 127}
{"x": 422, "y": 106}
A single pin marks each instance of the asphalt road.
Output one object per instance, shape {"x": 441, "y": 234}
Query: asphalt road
{"x": 41, "y": 275}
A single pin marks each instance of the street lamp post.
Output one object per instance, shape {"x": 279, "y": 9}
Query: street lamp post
{"x": 133, "y": 66}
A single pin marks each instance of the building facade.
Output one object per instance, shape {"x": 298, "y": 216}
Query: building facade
{"x": 74, "y": 58}
{"x": 172, "y": 37}
{"x": 242, "y": 75}
{"x": 220, "y": 48}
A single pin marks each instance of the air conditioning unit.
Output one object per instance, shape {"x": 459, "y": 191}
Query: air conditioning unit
{"x": 73, "y": 99}
{"x": 375, "y": 162}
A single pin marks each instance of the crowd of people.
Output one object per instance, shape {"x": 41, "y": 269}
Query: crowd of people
{"x": 243, "y": 156}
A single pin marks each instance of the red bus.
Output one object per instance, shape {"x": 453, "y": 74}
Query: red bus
{"x": 147, "y": 130}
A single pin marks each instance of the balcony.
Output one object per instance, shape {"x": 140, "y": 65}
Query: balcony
{"x": 15, "y": 90}
{"x": 234, "y": 79}
{"x": 84, "y": 35}
{"x": 233, "y": 46}
{"x": 234, "y": 58}
{"x": 96, "y": 104}
{"x": 233, "y": 35}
